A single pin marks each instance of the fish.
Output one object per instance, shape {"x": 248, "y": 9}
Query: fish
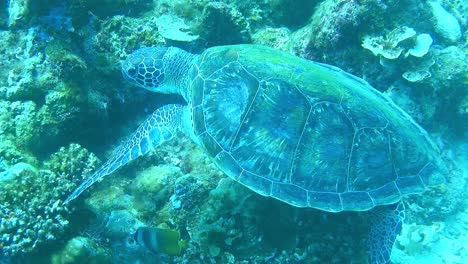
{"x": 160, "y": 240}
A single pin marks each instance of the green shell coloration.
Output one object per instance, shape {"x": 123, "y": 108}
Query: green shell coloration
{"x": 306, "y": 133}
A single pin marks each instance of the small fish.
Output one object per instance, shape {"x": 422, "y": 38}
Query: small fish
{"x": 160, "y": 240}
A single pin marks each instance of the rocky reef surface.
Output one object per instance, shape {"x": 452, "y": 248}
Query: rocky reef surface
{"x": 63, "y": 103}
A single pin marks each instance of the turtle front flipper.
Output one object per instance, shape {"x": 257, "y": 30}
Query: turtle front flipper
{"x": 158, "y": 128}
{"x": 386, "y": 225}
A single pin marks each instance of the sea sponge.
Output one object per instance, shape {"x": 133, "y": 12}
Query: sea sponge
{"x": 421, "y": 46}
{"x": 445, "y": 24}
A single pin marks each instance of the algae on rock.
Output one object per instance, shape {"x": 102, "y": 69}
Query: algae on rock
{"x": 18, "y": 11}
{"x": 174, "y": 28}
{"x": 82, "y": 250}
{"x": 278, "y": 38}
{"x": 331, "y": 22}
{"x": 223, "y": 24}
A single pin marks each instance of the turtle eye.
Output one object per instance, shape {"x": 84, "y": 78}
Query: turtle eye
{"x": 132, "y": 71}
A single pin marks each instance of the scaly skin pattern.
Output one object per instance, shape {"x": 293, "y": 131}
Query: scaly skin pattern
{"x": 306, "y": 133}
{"x": 302, "y": 132}
{"x": 161, "y": 126}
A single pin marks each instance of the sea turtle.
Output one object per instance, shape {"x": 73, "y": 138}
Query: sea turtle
{"x": 306, "y": 133}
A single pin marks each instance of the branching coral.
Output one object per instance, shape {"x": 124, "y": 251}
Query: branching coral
{"x": 31, "y": 211}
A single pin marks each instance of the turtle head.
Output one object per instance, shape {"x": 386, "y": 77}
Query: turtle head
{"x": 145, "y": 67}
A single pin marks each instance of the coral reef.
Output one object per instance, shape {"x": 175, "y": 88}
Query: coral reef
{"x": 451, "y": 67}
{"x": 220, "y": 219}
{"x": 223, "y": 24}
{"x": 331, "y": 20}
{"x": 60, "y": 82}
{"x": 285, "y": 12}
{"x": 398, "y": 49}
{"x": 458, "y": 9}
{"x": 388, "y": 46}
{"x": 21, "y": 80}
{"x": 32, "y": 213}
{"x": 434, "y": 243}
{"x": 82, "y": 250}
{"x": 415, "y": 237}
{"x": 33, "y": 78}
{"x": 277, "y": 38}
{"x": 174, "y": 28}
{"x": 18, "y": 11}
{"x": 120, "y": 35}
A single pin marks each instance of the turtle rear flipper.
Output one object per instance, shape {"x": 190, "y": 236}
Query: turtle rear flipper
{"x": 158, "y": 128}
{"x": 386, "y": 225}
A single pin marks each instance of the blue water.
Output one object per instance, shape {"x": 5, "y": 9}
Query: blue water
{"x": 66, "y": 105}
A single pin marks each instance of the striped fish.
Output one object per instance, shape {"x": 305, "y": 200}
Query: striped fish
{"x": 160, "y": 240}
